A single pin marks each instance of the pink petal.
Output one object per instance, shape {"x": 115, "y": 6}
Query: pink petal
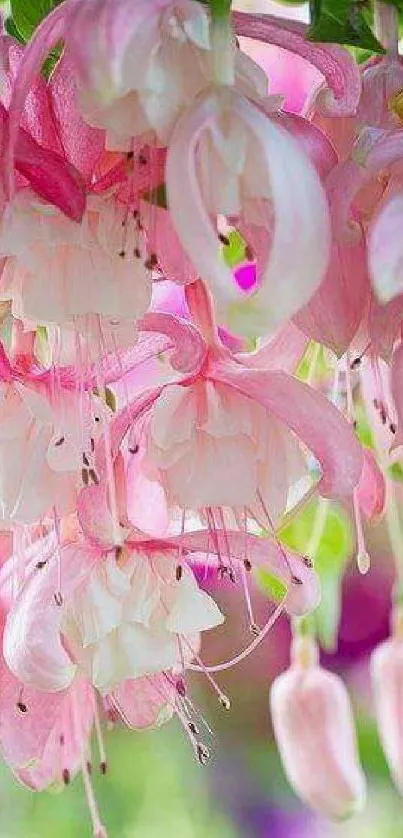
{"x": 32, "y": 644}
{"x": 385, "y": 250}
{"x": 387, "y": 681}
{"x": 371, "y": 490}
{"x": 315, "y": 421}
{"x": 190, "y": 348}
{"x": 335, "y": 311}
{"x": 340, "y": 70}
{"x": 145, "y": 702}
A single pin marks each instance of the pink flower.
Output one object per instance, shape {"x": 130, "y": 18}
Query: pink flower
{"x": 387, "y": 682}
{"x": 314, "y": 730}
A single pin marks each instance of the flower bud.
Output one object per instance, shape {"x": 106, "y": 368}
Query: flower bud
{"x": 387, "y": 683}
{"x": 314, "y": 729}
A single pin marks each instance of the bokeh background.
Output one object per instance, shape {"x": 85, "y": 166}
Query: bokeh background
{"x": 154, "y": 788}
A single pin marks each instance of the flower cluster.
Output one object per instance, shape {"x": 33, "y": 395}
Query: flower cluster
{"x": 173, "y": 243}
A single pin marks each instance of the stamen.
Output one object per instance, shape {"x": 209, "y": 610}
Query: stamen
{"x": 66, "y": 776}
{"x": 103, "y": 765}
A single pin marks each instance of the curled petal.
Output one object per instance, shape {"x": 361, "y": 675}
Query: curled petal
{"x": 190, "y": 348}
{"x": 314, "y": 420}
{"x": 342, "y": 94}
{"x": 300, "y": 240}
{"x": 32, "y": 643}
{"x": 282, "y": 352}
{"x": 386, "y": 250}
{"x": 291, "y": 569}
{"x": 313, "y": 141}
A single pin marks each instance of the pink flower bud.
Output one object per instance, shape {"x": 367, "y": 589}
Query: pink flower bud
{"x": 387, "y": 681}
{"x": 314, "y": 730}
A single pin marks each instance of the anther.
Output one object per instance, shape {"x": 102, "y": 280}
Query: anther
{"x": 135, "y": 214}
{"x": 383, "y": 415}
{"x": 40, "y": 565}
{"x": 376, "y": 404}
{"x": 231, "y": 575}
{"x": 356, "y": 362}
{"x": 224, "y": 239}
{"x": 255, "y": 630}
{"x": 130, "y": 155}
{"x": 307, "y": 561}
{"x": 97, "y": 418}
{"x": 89, "y": 767}
{"x": 225, "y": 702}
{"x": 179, "y": 572}
{"x": 355, "y": 424}
{"x": 92, "y": 441}
{"x": 86, "y": 460}
{"x": 134, "y": 449}
{"x": 66, "y": 776}
{"x": 203, "y": 753}
{"x": 151, "y": 262}
{"x": 84, "y": 476}
{"x": 193, "y": 729}
{"x": 122, "y": 254}
{"x": 103, "y": 768}
{"x": 247, "y": 565}
{"x": 249, "y": 254}
{"x": 137, "y": 253}
{"x": 142, "y": 159}
{"x": 180, "y": 687}
{"x": 94, "y": 477}
{"x": 22, "y": 707}
{"x": 296, "y": 580}
{"x": 392, "y": 428}
{"x": 58, "y": 599}
{"x": 59, "y": 442}
{"x": 118, "y": 552}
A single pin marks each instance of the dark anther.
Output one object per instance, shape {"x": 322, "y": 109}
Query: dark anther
{"x": 355, "y": 424}
{"x": 86, "y": 460}
{"x": 89, "y": 767}
{"x": 255, "y": 629}
{"x": 249, "y": 254}
{"x": 151, "y": 262}
{"x": 41, "y": 564}
{"x": 137, "y": 253}
{"x": 135, "y": 213}
{"x": 122, "y": 254}
{"x": 84, "y": 476}
{"x": 94, "y": 477}
{"x": 142, "y": 159}
{"x": 134, "y": 449}
{"x": 392, "y": 428}
{"x": 203, "y": 754}
{"x": 130, "y": 155}
{"x": 118, "y": 552}
{"x": 59, "y": 441}
{"x": 296, "y": 580}
{"x": 139, "y": 225}
{"x": 179, "y": 572}
{"x": 22, "y": 707}
{"x": 224, "y": 239}
{"x": 307, "y": 561}
{"x": 383, "y": 415}
{"x": 193, "y": 729}
{"x": 376, "y": 404}
{"x": 58, "y": 599}
{"x": 247, "y": 564}
{"x": 356, "y": 362}
{"x": 97, "y": 419}
{"x": 181, "y": 687}
{"x": 92, "y": 441}
{"x": 103, "y": 768}
{"x": 225, "y": 702}
{"x": 66, "y": 776}
{"x": 231, "y": 576}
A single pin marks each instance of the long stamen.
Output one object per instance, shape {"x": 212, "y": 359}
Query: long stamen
{"x": 103, "y": 765}
{"x": 221, "y": 667}
{"x": 363, "y": 558}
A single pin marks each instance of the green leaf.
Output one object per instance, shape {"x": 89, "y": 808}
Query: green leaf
{"x": 12, "y": 30}
{"x": 342, "y": 22}
{"x": 270, "y": 584}
{"x": 333, "y": 550}
{"x": 235, "y": 251}
{"x": 27, "y": 14}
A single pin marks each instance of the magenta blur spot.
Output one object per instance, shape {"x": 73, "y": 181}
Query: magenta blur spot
{"x": 246, "y": 277}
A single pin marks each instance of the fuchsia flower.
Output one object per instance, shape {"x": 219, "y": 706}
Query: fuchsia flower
{"x": 147, "y": 431}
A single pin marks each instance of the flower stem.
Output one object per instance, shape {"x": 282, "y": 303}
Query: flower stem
{"x": 222, "y": 43}
{"x": 386, "y": 23}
